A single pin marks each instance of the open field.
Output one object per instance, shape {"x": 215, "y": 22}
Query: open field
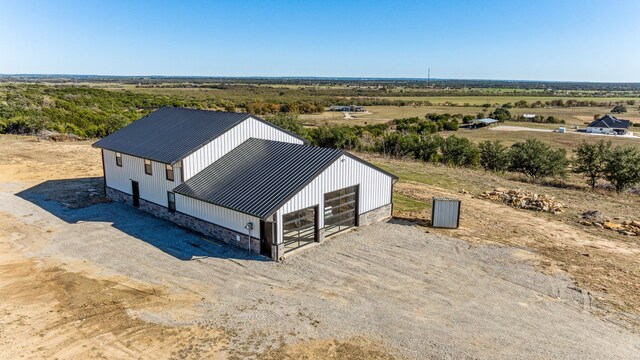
{"x": 86, "y": 278}
{"x": 572, "y": 116}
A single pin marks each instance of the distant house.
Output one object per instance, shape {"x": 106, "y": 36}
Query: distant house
{"x": 609, "y": 125}
{"x": 529, "y": 116}
{"x": 477, "y": 123}
{"x": 346, "y": 108}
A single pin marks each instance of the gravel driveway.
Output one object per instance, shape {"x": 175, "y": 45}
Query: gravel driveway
{"x": 421, "y": 295}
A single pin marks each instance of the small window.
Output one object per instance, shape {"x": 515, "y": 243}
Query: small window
{"x": 171, "y": 201}
{"x": 147, "y": 167}
{"x": 169, "y": 172}
{"x": 119, "y": 159}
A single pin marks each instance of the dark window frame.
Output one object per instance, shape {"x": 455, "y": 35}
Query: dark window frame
{"x": 148, "y": 169}
{"x": 171, "y": 204}
{"x": 118, "y": 159}
{"x": 168, "y": 169}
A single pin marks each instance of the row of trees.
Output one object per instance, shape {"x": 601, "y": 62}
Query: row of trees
{"x": 618, "y": 165}
{"x": 535, "y": 159}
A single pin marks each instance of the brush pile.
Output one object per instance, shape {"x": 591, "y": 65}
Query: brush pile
{"x": 524, "y": 200}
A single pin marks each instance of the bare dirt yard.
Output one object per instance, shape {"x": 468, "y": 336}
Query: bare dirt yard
{"x": 81, "y": 278}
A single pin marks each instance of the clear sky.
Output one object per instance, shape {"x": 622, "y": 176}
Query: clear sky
{"x": 578, "y": 40}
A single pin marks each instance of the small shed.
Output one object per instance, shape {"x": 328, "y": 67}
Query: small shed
{"x": 445, "y": 213}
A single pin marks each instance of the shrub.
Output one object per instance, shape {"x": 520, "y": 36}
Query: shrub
{"x": 501, "y": 114}
{"x": 459, "y": 151}
{"x": 451, "y": 125}
{"x": 622, "y": 168}
{"x": 493, "y": 156}
{"x": 537, "y": 160}
{"x": 288, "y": 122}
{"x": 591, "y": 160}
{"x": 619, "y": 109}
{"x": 427, "y": 148}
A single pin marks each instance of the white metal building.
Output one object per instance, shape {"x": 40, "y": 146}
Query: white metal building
{"x": 241, "y": 180}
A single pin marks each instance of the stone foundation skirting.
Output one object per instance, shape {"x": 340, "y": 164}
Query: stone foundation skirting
{"x": 374, "y": 215}
{"x": 209, "y": 229}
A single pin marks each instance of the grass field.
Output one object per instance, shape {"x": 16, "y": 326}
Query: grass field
{"x": 573, "y": 116}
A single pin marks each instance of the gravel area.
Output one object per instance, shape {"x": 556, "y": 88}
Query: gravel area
{"x": 419, "y": 294}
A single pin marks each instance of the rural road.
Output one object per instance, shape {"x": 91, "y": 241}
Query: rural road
{"x": 419, "y": 295}
{"x": 524, "y": 128}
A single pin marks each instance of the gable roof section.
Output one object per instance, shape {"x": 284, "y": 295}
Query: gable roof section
{"x": 609, "y": 121}
{"x": 259, "y": 176}
{"x": 170, "y": 134}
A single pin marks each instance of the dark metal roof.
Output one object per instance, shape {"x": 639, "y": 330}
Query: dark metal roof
{"x": 170, "y": 134}
{"x": 258, "y": 176}
{"x": 609, "y": 121}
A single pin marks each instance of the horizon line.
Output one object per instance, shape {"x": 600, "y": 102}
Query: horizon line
{"x": 360, "y": 78}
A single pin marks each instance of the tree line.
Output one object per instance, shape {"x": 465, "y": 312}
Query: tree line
{"x": 537, "y": 160}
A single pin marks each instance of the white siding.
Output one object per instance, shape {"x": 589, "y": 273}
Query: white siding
{"x": 374, "y": 192}
{"x": 250, "y": 128}
{"x": 218, "y": 215}
{"x": 152, "y": 187}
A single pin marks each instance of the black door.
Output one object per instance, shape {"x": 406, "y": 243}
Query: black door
{"x": 268, "y": 233}
{"x": 135, "y": 191}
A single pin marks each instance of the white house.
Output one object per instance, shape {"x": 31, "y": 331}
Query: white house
{"x": 609, "y": 125}
{"x": 241, "y": 180}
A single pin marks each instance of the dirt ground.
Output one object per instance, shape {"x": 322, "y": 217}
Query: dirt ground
{"x": 107, "y": 281}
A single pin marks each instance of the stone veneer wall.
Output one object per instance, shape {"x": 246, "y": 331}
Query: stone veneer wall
{"x": 217, "y": 232}
{"x": 380, "y": 213}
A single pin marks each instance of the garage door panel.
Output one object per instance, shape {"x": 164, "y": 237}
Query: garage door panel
{"x": 340, "y": 210}
{"x": 299, "y": 228}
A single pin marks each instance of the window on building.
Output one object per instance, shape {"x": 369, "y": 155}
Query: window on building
{"x": 171, "y": 201}
{"x": 169, "y": 172}
{"x": 119, "y": 159}
{"x": 147, "y": 167}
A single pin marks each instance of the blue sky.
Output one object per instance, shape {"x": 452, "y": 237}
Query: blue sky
{"x": 584, "y": 40}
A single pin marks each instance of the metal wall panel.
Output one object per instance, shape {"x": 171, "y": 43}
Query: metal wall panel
{"x": 374, "y": 192}
{"x": 445, "y": 213}
{"x": 250, "y": 128}
{"x": 152, "y": 187}
{"x": 218, "y": 215}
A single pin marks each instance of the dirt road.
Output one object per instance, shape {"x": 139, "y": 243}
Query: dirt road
{"x": 107, "y": 281}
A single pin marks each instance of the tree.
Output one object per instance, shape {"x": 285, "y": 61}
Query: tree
{"x": 467, "y": 119}
{"x": 451, "y": 125}
{"x": 622, "y": 168}
{"x": 619, "y": 109}
{"x": 289, "y": 123}
{"x": 537, "y": 160}
{"x": 459, "y": 151}
{"x": 493, "y": 156}
{"x": 427, "y": 148}
{"x": 501, "y": 114}
{"x": 591, "y": 160}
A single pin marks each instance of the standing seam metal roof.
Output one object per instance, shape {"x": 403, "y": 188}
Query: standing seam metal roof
{"x": 258, "y": 175}
{"x": 170, "y": 134}
{"x": 609, "y": 121}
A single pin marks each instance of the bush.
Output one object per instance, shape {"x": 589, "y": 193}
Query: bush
{"x": 289, "y": 122}
{"x": 451, "y": 125}
{"x": 337, "y": 137}
{"x": 493, "y": 156}
{"x": 619, "y": 109}
{"x": 622, "y": 168}
{"x": 501, "y": 114}
{"x": 427, "y": 148}
{"x": 537, "y": 160}
{"x": 459, "y": 151}
{"x": 591, "y": 160}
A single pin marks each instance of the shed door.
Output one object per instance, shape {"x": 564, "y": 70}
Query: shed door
{"x": 299, "y": 228}
{"x": 340, "y": 210}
